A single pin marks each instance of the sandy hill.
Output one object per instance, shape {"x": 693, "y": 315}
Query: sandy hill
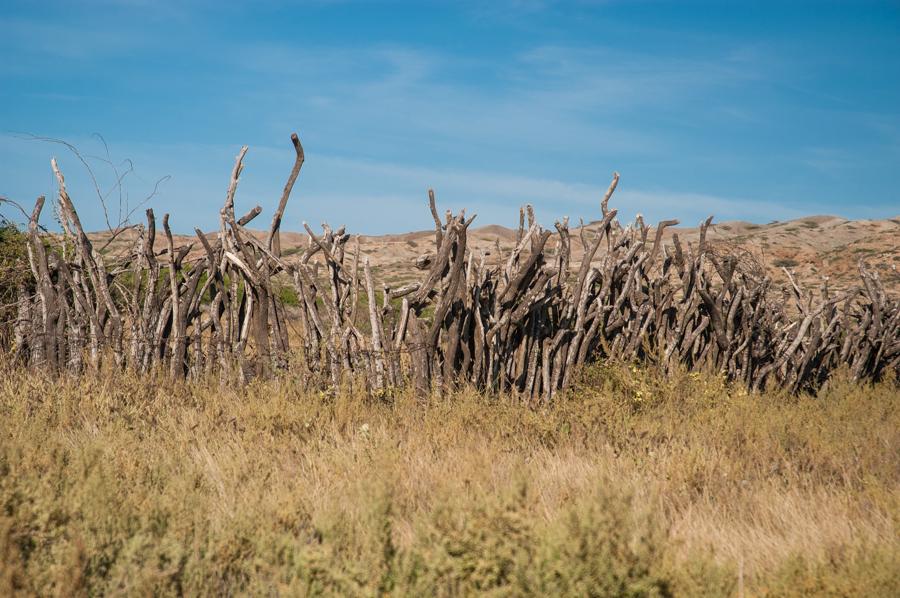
{"x": 813, "y": 247}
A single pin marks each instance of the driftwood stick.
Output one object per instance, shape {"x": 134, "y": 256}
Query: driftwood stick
{"x": 376, "y": 326}
{"x": 249, "y": 216}
{"x": 604, "y": 204}
{"x": 179, "y": 343}
{"x": 273, "y": 240}
{"x": 438, "y": 227}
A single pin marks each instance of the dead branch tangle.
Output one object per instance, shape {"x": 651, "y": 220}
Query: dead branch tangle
{"x": 523, "y": 324}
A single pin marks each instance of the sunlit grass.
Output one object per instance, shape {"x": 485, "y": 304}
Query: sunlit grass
{"x": 630, "y": 484}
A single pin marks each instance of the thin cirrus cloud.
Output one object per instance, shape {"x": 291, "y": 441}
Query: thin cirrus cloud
{"x": 404, "y": 93}
{"x": 395, "y": 191}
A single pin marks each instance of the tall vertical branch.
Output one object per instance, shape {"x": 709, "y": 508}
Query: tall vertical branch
{"x": 273, "y": 240}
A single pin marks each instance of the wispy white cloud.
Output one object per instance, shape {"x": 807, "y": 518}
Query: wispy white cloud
{"x": 369, "y": 196}
{"x": 409, "y": 89}
{"x": 495, "y": 196}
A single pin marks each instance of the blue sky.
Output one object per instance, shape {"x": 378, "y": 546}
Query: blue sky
{"x": 754, "y": 111}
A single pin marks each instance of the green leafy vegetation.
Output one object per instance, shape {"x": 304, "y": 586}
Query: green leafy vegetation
{"x": 13, "y": 272}
{"x": 288, "y": 295}
{"x": 786, "y": 263}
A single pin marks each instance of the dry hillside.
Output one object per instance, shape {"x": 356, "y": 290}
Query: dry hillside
{"x": 812, "y": 247}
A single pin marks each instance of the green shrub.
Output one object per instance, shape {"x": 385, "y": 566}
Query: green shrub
{"x": 786, "y": 263}
{"x": 288, "y": 295}
{"x": 14, "y": 272}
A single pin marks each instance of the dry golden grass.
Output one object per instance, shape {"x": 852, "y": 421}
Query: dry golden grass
{"x": 630, "y": 484}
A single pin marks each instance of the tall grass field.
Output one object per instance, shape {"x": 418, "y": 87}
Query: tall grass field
{"x": 629, "y": 484}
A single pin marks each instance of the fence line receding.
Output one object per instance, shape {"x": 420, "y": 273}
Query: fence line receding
{"x": 523, "y": 322}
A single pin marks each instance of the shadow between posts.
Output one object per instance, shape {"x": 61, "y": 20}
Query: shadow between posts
{"x": 523, "y": 323}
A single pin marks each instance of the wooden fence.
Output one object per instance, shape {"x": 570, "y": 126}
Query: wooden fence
{"x": 523, "y": 323}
